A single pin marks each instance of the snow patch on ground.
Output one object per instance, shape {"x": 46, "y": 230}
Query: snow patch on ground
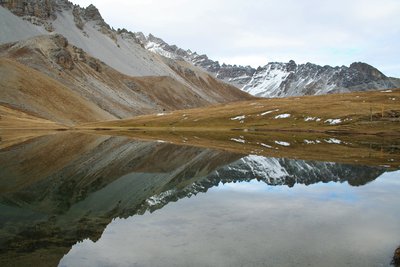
{"x": 239, "y": 140}
{"x": 387, "y": 91}
{"x": 241, "y": 117}
{"x": 333, "y": 141}
{"x": 312, "y": 119}
{"x": 333, "y": 121}
{"x": 268, "y": 112}
{"x": 264, "y": 145}
{"x": 310, "y": 142}
{"x": 282, "y": 143}
{"x": 283, "y": 116}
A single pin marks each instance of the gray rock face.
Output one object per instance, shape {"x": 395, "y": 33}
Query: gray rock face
{"x": 42, "y": 9}
{"x": 38, "y": 12}
{"x": 278, "y": 79}
{"x": 43, "y": 12}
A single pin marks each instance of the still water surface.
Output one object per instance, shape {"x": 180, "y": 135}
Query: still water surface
{"x": 113, "y": 201}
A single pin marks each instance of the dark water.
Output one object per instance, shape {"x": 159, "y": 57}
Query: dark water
{"x": 83, "y": 200}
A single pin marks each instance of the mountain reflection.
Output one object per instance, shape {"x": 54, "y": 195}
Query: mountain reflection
{"x": 59, "y": 189}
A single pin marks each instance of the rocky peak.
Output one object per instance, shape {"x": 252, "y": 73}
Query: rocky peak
{"x": 291, "y": 66}
{"x": 152, "y": 38}
{"x": 38, "y": 12}
{"x": 141, "y": 37}
{"x": 367, "y": 69}
{"x": 43, "y": 12}
{"x": 41, "y": 9}
{"x": 91, "y": 13}
{"x": 59, "y": 40}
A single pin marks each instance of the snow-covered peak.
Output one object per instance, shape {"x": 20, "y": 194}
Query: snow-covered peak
{"x": 267, "y": 80}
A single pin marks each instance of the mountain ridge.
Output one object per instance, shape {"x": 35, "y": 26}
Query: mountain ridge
{"x": 278, "y": 79}
{"x": 85, "y": 28}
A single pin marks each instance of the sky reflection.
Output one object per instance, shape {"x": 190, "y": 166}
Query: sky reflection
{"x": 254, "y": 224}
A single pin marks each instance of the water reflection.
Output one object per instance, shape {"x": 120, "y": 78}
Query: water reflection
{"x": 60, "y": 189}
{"x": 254, "y": 224}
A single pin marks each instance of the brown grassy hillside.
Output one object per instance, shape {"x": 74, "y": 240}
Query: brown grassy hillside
{"x": 28, "y": 90}
{"x": 48, "y": 77}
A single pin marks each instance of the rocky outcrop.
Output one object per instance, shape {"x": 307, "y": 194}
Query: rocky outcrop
{"x": 60, "y": 54}
{"x": 41, "y": 9}
{"x": 38, "y": 12}
{"x": 43, "y": 12}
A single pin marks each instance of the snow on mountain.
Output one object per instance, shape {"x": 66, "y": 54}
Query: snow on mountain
{"x": 290, "y": 79}
{"x": 278, "y": 79}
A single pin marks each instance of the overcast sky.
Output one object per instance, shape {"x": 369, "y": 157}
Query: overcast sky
{"x": 255, "y": 32}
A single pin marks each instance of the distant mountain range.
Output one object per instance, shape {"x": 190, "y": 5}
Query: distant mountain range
{"x": 277, "y": 79}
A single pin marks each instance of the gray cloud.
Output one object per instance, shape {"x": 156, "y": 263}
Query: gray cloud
{"x": 255, "y": 32}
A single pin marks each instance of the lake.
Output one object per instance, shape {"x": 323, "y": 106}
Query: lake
{"x": 69, "y": 199}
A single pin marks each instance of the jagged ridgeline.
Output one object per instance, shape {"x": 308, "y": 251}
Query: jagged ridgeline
{"x": 54, "y": 194}
{"x": 277, "y": 79}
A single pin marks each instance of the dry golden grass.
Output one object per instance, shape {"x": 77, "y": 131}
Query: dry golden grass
{"x": 359, "y": 113}
{"x": 11, "y": 118}
{"x": 28, "y": 90}
{"x": 17, "y": 127}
